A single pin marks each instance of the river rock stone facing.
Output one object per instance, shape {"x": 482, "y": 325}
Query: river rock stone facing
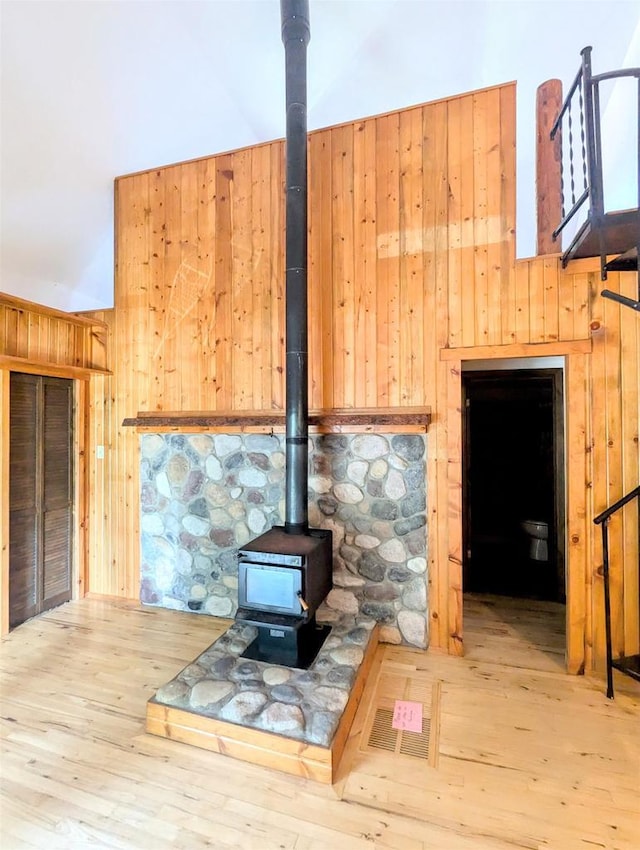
{"x": 204, "y": 496}
{"x": 306, "y": 705}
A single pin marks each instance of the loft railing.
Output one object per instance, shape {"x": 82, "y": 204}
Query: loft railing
{"x": 630, "y": 664}
{"x": 581, "y": 182}
{"x": 579, "y": 100}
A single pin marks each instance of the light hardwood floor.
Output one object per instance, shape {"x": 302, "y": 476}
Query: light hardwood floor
{"x": 528, "y": 758}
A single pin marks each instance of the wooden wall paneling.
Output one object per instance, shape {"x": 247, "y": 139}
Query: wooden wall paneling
{"x": 102, "y": 577}
{"x": 459, "y": 303}
{"x": 4, "y": 500}
{"x": 440, "y": 335}
{"x": 81, "y": 489}
{"x": 388, "y": 241}
{"x": 578, "y": 579}
{"x": 193, "y": 279}
{"x": 95, "y": 468}
{"x": 206, "y": 228}
{"x": 480, "y": 219}
{"x": 360, "y": 298}
{"x": 370, "y": 263}
{"x": 434, "y": 157}
{"x": 33, "y": 335}
{"x": 598, "y": 475}
{"x": 320, "y": 271}
{"x": 630, "y": 395}
{"x": 342, "y": 236}
{"x": 411, "y": 313}
{"x": 50, "y": 340}
{"x": 454, "y": 507}
{"x": 141, "y": 295}
{"x": 352, "y": 311}
{"x": 508, "y": 212}
{"x": 565, "y": 284}
{"x": 42, "y": 332}
{"x": 80, "y": 344}
{"x": 611, "y": 407}
{"x": 440, "y": 580}
{"x": 536, "y": 302}
{"x": 241, "y": 328}
{"x": 495, "y": 217}
{"x": 522, "y": 302}
{"x": 23, "y": 335}
{"x": 156, "y": 316}
{"x": 467, "y": 221}
{"x": 260, "y": 278}
{"x": 181, "y": 288}
{"x": 130, "y": 375}
{"x": 223, "y": 281}
{"x": 277, "y": 258}
{"x": 47, "y": 337}
{"x": 9, "y": 330}
{"x": 105, "y": 537}
{"x": 551, "y": 300}
{"x": 581, "y": 306}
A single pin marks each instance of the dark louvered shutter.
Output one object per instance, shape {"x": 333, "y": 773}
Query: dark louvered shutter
{"x": 23, "y": 499}
{"x": 56, "y": 492}
{"x": 41, "y": 496}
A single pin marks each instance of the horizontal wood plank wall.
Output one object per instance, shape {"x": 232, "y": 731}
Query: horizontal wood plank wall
{"x": 411, "y": 250}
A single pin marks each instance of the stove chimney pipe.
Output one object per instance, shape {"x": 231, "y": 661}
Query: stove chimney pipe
{"x": 295, "y": 36}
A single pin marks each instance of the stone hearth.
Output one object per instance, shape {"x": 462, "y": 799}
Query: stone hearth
{"x": 220, "y": 698}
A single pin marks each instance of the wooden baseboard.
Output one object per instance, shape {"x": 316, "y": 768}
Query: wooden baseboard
{"x": 257, "y": 746}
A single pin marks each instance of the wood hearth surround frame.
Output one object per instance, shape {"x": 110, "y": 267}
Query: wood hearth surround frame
{"x": 39, "y": 340}
{"x": 434, "y": 277}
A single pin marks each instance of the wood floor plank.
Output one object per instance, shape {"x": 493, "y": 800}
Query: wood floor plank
{"x": 529, "y": 757}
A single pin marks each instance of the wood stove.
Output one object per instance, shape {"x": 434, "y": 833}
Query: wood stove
{"x": 285, "y": 574}
{"x": 282, "y": 579}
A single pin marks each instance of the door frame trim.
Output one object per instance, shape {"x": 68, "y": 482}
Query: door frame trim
{"x": 576, "y": 452}
{"x": 79, "y": 542}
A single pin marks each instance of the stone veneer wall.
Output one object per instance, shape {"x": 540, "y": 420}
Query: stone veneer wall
{"x": 203, "y": 496}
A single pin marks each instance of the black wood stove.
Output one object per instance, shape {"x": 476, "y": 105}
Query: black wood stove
{"x": 285, "y": 574}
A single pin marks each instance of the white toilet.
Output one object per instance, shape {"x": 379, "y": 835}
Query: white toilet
{"x": 539, "y": 534}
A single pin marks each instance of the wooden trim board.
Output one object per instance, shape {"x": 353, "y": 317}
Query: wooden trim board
{"x": 536, "y": 349}
{"x": 257, "y": 746}
{"x": 4, "y": 501}
{"x": 53, "y": 370}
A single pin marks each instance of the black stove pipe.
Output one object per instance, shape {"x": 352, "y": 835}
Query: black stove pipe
{"x": 295, "y": 36}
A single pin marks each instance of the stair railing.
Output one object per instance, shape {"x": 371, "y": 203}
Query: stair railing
{"x": 630, "y": 665}
{"x": 579, "y": 99}
{"x": 583, "y": 141}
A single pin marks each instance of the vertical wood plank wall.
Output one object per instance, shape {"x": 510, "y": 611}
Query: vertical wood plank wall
{"x": 39, "y": 339}
{"x": 411, "y": 249}
{"x": 49, "y": 337}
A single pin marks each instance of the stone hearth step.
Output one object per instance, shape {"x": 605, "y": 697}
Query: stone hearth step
{"x": 286, "y": 718}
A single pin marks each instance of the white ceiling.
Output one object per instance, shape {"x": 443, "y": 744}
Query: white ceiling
{"x": 92, "y": 90}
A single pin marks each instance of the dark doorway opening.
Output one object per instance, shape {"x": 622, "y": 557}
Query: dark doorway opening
{"x": 513, "y": 484}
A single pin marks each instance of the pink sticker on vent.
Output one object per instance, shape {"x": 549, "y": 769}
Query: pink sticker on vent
{"x": 407, "y": 716}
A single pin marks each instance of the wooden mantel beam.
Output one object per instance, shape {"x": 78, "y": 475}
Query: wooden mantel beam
{"x": 368, "y": 418}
